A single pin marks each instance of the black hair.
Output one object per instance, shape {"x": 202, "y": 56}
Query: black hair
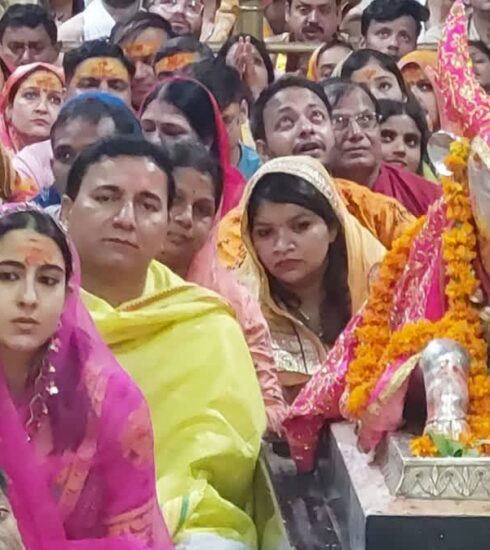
{"x": 411, "y": 108}
{"x": 92, "y": 108}
{"x": 118, "y": 146}
{"x": 185, "y": 43}
{"x": 94, "y": 48}
{"x": 41, "y": 223}
{"x": 68, "y": 410}
{"x": 139, "y": 22}
{"x": 193, "y": 100}
{"x": 289, "y": 81}
{"x": 389, "y": 10}
{"x": 31, "y": 16}
{"x": 259, "y": 45}
{"x": 189, "y": 153}
{"x": 3, "y": 482}
{"x": 361, "y": 58}
{"x": 336, "y": 88}
{"x": 222, "y": 81}
{"x": 336, "y": 308}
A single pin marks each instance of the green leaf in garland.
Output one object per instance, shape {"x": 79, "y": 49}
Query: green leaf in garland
{"x": 447, "y": 447}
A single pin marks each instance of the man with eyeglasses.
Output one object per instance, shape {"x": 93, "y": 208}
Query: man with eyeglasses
{"x": 185, "y": 16}
{"x": 293, "y": 117}
{"x": 357, "y": 155}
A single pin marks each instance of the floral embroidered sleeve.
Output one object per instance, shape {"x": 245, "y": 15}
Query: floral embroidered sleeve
{"x": 319, "y": 400}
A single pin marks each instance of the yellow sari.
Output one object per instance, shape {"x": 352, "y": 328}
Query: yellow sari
{"x": 298, "y": 351}
{"x": 183, "y": 347}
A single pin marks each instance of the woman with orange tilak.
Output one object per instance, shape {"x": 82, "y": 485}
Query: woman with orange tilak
{"x": 29, "y": 104}
{"x": 434, "y": 283}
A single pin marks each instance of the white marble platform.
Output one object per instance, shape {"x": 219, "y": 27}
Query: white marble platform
{"x": 369, "y": 516}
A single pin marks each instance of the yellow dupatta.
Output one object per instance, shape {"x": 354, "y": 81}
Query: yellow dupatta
{"x": 294, "y": 343}
{"x": 363, "y": 249}
{"x": 181, "y": 344}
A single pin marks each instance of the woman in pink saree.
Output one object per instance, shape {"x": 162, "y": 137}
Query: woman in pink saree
{"x": 190, "y": 250}
{"x": 76, "y": 440}
{"x": 182, "y": 107}
{"x": 29, "y": 104}
{"x": 434, "y": 294}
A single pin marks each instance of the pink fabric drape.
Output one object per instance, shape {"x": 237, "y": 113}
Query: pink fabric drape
{"x": 96, "y": 492}
{"x": 8, "y": 136}
{"x": 419, "y": 294}
{"x": 414, "y": 192}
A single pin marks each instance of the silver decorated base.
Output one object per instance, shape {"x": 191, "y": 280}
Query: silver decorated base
{"x": 432, "y": 478}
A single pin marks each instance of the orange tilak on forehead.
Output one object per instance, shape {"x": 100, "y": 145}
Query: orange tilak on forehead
{"x": 102, "y": 67}
{"x": 141, "y": 49}
{"x": 366, "y": 74}
{"x": 44, "y": 80}
{"x": 413, "y": 74}
{"x": 175, "y": 62}
{"x": 37, "y": 252}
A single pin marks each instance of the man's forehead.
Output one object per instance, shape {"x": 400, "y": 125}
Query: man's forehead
{"x": 22, "y": 33}
{"x": 315, "y": 3}
{"x": 113, "y": 171}
{"x": 405, "y": 21}
{"x": 294, "y": 97}
{"x": 102, "y": 67}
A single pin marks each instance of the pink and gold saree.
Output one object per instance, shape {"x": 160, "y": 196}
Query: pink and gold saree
{"x": 419, "y": 294}
{"x": 79, "y": 454}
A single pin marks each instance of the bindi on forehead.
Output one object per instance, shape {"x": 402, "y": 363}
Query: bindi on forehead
{"x": 43, "y": 80}
{"x": 413, "y": 74}
{"x": 103, "y": 68}
{"x": 369, "y": 73}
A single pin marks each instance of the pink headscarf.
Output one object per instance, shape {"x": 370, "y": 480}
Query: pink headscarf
{"x": 466, "y": 102}
{"x": 8, "y": 135}
{"x": 233, "y": 184}
{"x": 96, "y": 490}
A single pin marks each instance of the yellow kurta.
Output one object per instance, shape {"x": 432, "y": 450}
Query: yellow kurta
{"x": 183, "y": 347}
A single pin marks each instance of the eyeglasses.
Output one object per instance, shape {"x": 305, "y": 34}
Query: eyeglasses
{"x": 365, "y": 121}
{"x": 192, "y": 7}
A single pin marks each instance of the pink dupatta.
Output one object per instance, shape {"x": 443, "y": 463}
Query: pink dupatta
{"x": 8, "y": 136}
{"x": 79, "y": 460}
{"x": 414, "y": 192}
{"x": 419, "y": 294}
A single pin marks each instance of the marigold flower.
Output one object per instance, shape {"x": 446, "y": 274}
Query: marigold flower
{"x": 378, "y": 347}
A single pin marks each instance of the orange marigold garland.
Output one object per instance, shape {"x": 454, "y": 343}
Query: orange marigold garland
{"x": 379, "y": 347}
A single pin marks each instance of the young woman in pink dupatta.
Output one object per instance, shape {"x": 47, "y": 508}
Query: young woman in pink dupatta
{"x": 76, "y": 440}
{"x": 182, "y": 107}
{"x": 29, "y": 104}
{"x": 190, "y": 250}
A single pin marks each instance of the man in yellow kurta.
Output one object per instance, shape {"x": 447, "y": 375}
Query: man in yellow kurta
{"x": 179, "y": 342}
